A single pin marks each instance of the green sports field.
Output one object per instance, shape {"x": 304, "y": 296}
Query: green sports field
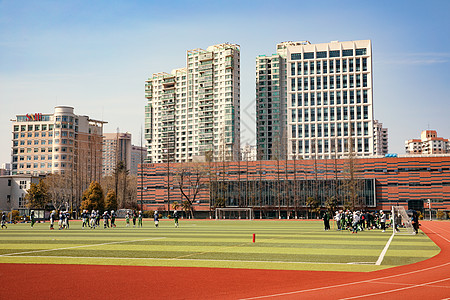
{"x": 288, "y": 245}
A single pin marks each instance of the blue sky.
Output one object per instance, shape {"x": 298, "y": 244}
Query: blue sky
{"x": 96, "y": 55}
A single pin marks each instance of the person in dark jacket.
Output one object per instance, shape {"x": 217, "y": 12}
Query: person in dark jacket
{"x": 4, "y": 220}
{"x": 415, "y": 222}
{"x": 326, "y": 221}
{"x": 156, "y": 218}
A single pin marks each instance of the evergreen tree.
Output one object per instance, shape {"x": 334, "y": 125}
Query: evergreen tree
{"x": 37, "y": 195}
{"x": 111, "y": 201}
{"x": 93, "y": 197}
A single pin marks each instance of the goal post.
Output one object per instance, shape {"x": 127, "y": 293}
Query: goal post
{"x": 401, "y": 221}
{"x": 234, "y": 213}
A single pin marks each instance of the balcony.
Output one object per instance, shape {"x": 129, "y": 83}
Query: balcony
{"x": 205, "y": 79}
{"x": 206, "y": 136}
{"x": 207, "y": 109}
{"x": 205, "y": 56}
{"x": 168, "y": 118}
{"x": 206, "y": 92}
{"x": 168, "y": 80}
{"x": 205, "y": 67}
{"x": 228, "y": 52}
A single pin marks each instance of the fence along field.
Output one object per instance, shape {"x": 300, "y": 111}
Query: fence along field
{"x": 285, "y": 245}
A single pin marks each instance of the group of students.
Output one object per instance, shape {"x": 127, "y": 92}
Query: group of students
{"x": 359, "y": 221}
{"x": 92, "y": 220}
{"x": 63, "y": 220}
{"x": 134, "y": 216}
{"x": 156, "y": 218}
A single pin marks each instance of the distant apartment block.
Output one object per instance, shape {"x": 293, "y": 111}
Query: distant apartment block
{"x": 5, "y": 169}
{"x": 248, "y": 152}
{"x": 195, "y": 111}
{"x": 58, "y": 142}
{"x": 116, "y": 148}
{"x": 429, "y": 143}
{"x": 138, "y": 156}
{"x": 380, "y": 142}
{"x": 315, "y": 100}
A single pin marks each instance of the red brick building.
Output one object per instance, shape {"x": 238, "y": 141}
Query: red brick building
{"x": 282, "y": 187}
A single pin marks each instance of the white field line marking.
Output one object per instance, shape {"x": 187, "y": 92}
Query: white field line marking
{"x": 183, "y": 259}
{"x": 82, "y": 246}
{"x": 409, "y": 284}
{"x": 383, "y": 253}
{"x": 397, "y": 290}
{"x": 438, "y": 234}
{"x": 346, "y": 284}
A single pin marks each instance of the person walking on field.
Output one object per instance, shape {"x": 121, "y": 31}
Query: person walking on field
{"x": 33, "y": 220}
{"x": 382, "y": 221}
{"x": 127, "y": 219}
{"x": 4, "y": 220}
{"x": 52, "y": 220}
{"x": 140, "y": 219}
{"x": 84, "y": 215}
{"x": 175, "y": 217}
{"x": 415, "y": 222}
{"x": 113, "y": 219}
{"x": 134, "y": 218}
{"x": 156, "y": 218}
{"x": 337, "y": 218}
{"x": 93, "y": 219}
{"x": 105, "y": 220}
{"x": 326, "y": 221}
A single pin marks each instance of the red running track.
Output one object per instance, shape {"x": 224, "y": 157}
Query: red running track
{"x": 429, "y": 279}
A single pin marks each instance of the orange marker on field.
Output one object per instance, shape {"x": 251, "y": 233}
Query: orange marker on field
{"x": 254, "y": 237}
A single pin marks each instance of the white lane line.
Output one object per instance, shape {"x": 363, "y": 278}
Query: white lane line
{"x": 82, "y": 246}
{"x": 396, "y": 290}
{"x": 407, "y": 284}
{"x": 383, "y": 253}
{"x": 346, "y": 284}
{"x": 184, "y": 259}
{"x": 438, "y": 234}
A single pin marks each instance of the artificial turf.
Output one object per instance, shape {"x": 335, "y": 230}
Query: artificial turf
{"x": 288, "y": 245}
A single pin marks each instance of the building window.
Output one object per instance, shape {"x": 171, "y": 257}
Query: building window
{"x": 308, "y": 55}
{"x": 296, "y": 56}
{"x": 348, "y": 52}
{"x": 334, "y": 53}
{"x": 362, "y": 51}
{"x": 321, "y": 54}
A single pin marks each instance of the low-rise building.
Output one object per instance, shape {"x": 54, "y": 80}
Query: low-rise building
{"x": 13, "y": 189}
{"x": 429, "y": 143}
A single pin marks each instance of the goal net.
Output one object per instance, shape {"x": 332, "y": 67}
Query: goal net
{"x": 401, "y": 221}
{"x": 234, "y": 213}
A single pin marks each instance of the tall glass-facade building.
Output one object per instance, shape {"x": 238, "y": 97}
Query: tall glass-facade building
{"x": 328, "y": 111}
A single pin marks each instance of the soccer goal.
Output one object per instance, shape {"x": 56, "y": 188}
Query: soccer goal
{"x": 402, "y": 223}
{"x": 234, "y": 213}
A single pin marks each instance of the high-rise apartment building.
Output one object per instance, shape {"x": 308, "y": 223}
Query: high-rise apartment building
{"x": 328, "y": 109}
{"x": 61, "y": 142}
{"x": 138, "y": 156}
{"x": 271, "y": 104}
{"x": 116, "y": 148}
{"x": 195, "y": 111}
{"x": 429, "y": 143}
{"x": 380, "y": 142}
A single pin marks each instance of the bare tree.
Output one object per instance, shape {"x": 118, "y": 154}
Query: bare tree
{"x": 190, "y": 178}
